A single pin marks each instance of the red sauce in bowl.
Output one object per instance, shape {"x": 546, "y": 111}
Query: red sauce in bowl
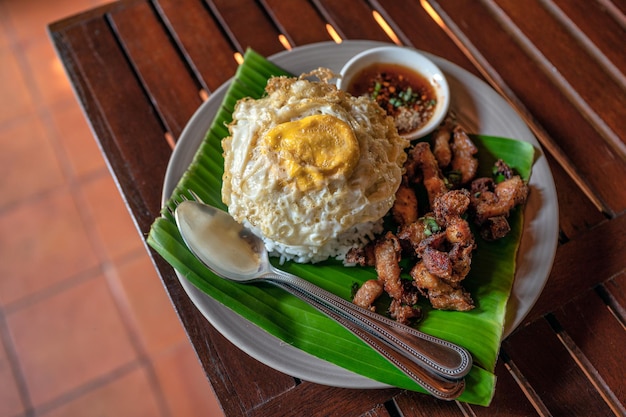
{"x": 404, "y": 94}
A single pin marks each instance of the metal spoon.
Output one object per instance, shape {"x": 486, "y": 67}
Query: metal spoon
{"x": 233, "y": 252}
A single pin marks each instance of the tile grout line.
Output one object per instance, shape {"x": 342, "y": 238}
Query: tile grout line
{"x": 16, "y": 369}
{"x": 87, "y": 387}
{"x": 68, "y": 283}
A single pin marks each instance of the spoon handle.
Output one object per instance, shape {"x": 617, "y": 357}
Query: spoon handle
{"x": 437, "y": 386}
{"x": 438, "y": 356}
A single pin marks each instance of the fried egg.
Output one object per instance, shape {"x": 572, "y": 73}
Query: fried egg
{"x": 311, "y": 169}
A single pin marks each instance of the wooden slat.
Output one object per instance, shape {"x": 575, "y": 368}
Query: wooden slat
{"x": 314, "y": 400}
{"x": 572, "y": 139}
{"x": 405, "y": 16}
{"x": 298, "y": 20}
{"x": 247, "y": 25}
{"x": 208, "y": 51}
{"x": 598, "y": 340}
{"x": 119, "y": 113}
{"x": 156, "y": 61}
{"x": 352, "y": 19}
{"x": 562, "y": 387}
{"x": 227, "y": 363}
{"x": 593, "y": 257}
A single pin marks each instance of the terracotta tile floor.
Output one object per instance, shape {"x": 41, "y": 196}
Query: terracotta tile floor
{"x": 86, "y": 328}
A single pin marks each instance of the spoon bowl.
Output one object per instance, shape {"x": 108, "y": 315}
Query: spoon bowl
{"x": 236, "y": 254}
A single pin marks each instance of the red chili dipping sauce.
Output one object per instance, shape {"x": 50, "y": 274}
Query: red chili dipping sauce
{"x": 403, "y": 93}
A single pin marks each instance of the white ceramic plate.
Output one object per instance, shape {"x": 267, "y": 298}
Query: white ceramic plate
{"x": 481, "y": 110}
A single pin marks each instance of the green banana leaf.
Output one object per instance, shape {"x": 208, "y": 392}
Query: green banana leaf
{"x": 298, "y": 324}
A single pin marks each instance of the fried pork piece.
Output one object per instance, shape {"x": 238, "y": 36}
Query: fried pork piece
{"x": 455, "y": 153}
{"x": 404, "y": 310}
{"x": 363, "y": 256}
{"x": 459, "y": 232}
{"x": 461, "y": 256}
{"x": 501, "y": 168}
{"x": 404, "y": 209}
{"x": 404, "y": 313}
{"x": 422, "y": 161}
{"x": 441, "y": 142}
{"x": 436, "y": 260}
{"x": 368, "y": 293}
{"x": 490, "y": 200}
{"x": 441, "y": 294}
{"x": 388, "y": 253}
{"x": 495, "y": 228}
{"x": 463, "y": 160}
{"x": 414, "y": 233}
{"x": 448, "y": 254}
{"x": 451, "y": 205}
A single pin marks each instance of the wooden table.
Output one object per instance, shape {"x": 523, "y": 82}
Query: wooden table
{"x": 141, "y": 68}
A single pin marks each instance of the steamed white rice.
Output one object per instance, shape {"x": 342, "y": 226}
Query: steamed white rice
{"x": 357, "y": 236}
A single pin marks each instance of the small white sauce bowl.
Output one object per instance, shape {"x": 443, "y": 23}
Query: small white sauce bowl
{"x": 412, "y": 59}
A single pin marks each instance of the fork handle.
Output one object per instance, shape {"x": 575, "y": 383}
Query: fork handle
{"x": 436, "y": 355}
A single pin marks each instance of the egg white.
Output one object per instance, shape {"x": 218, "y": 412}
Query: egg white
{"x": 310, "y": 223}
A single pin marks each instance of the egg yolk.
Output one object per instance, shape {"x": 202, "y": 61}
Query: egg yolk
{"x": 314, "y": 148}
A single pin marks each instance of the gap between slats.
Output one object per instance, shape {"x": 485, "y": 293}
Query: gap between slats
{"x": 587, "y": 368}
{"x": 465, "y": 409}
{"x": 525, "y": 386}
{"x": 614, "y": 307}
{"x": 614, "y": 11}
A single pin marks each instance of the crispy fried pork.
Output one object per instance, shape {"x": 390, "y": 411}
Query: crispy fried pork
{"x": 388, "y": 253}
{"x": 441, "y": 143}
{"x": 463, "y": 160}
{"x": 441, "y": 294}
{"x": 368, "y": 293}
{"x": 489, "y": 199}
{"x": 437, "y": 239}
{"x": 405, "y": 209}
{"x": 422, "y": 161}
